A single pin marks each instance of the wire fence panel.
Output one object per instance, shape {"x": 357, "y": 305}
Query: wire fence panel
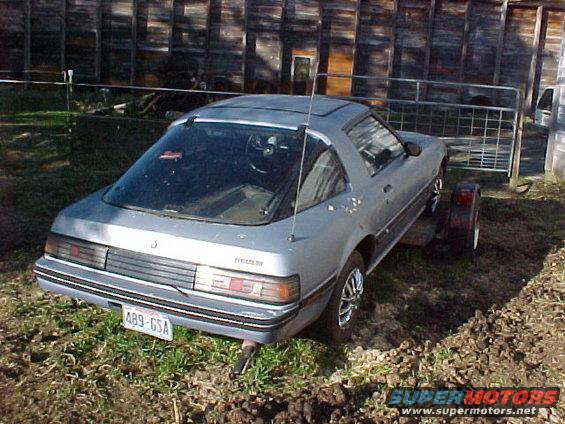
{"x": 120, "y": 122}
{"x": 477, "y": 137}
{"x": 99, "y": 128}
{"x": 483, "y": 136}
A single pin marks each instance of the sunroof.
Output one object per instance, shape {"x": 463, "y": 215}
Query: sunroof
{"x": 322, "y": 106}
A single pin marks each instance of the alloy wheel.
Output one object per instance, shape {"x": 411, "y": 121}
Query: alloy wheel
{"x": 350, "y": 296}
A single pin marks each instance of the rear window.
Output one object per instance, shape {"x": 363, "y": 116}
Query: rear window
{"x": 216, "y": 172}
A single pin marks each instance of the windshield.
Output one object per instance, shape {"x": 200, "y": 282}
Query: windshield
{"x": 217, "y": 172}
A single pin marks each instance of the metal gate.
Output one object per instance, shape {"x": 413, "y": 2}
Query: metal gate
{"x": 478, "y": 136}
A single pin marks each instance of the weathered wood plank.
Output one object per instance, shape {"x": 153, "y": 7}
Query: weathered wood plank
{"x": 430, "y": 34}
{"x": 429, "y": 38}
{"x": 355, "y": 46}
{"x": 244, "y": 46}
{"x": 63, "y": 34}
{"x": 464, "y": 47}
{"x": 208, "y": 37}
{"x": 98, "y": 41}
{"x": 535, "y": 58}
{"x": 27, "y": 38}
{"x": 133, "y": 51}
{"x": 500, "y": 43}
{"x": 319, "y": 42}
{"x": 171, "y": 25}
{"x": 282, "y": 43}
{"x": 390, "y": 69}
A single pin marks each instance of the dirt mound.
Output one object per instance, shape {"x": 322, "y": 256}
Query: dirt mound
{"x": 520, "y": 344}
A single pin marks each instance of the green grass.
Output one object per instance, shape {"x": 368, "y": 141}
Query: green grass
{"x": 40, "y": 119}
{"x": 89, "y": 337}
{"x": 47, "y": 175}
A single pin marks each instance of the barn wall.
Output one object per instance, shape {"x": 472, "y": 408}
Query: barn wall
{"x": 254, "y": 41}
{"x": 374, "y": 45}
{"x": 12, "y": 37}
{"x": 555, "y": 156}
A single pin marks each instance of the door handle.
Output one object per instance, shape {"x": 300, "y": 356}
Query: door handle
{"x": 387, "y": 188}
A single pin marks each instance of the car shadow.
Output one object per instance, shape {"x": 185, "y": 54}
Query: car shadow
{"x": 420, "y": 294}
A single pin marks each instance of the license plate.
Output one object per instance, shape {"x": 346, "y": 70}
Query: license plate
{"x": 147, "y": 321}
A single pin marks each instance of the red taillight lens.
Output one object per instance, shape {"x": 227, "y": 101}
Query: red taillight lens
{"x": 75, "y": 250}
{"x": 247, "y": 286}
{"x": 464, "y": 197}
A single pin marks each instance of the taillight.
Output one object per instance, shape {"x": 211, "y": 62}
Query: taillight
{"x": 75, "y": 250}
{"x": 464, "y": 197}
{"x": 247, "y": 286}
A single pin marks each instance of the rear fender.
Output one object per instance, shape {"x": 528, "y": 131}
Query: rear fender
{"x": 465, "y": 204}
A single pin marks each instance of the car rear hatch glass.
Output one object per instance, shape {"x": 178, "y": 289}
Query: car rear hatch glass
{"x": 215, "y": 172}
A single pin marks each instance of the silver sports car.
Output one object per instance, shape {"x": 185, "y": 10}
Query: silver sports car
{"x": 243, "y": 221}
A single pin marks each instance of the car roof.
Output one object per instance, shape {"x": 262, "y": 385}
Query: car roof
{"x": 284, "y": 110}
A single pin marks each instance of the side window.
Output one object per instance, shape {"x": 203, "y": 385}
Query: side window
{"x": 546, "y": 100}
{"x": 324, "y": 180}
{"x": 375, "y": 143}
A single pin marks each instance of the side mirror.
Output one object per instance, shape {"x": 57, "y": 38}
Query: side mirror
{"x": 412, "y": 149}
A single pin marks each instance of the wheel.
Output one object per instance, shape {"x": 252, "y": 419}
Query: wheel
{"x": 464, "y": 242}
{"x": 433, "y": 202}
{"x": 338, "y": 319}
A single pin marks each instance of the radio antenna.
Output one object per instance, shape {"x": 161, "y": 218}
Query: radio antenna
{"x": 301, "y": 132}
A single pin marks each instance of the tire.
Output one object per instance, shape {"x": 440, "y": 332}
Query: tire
{"x": 435, "y": 197}
{"x": 335, "y": 326}
{"x": 464, "y": 241}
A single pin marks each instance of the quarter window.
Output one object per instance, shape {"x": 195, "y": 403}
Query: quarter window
{"x": 375, "y": 143}
{"x": 324, "y": 180}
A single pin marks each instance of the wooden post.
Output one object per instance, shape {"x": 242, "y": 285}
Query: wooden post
{"x": 27, "y": 39}
{"x": 355, "y": 45}
{"x": 98, "y": 41}
{"x": 208, "y": 37}
{"x": 244, "y": 46}
{"x": 464, "y": 48}
{"x": 63, "y": 33}
{"x": 133, "y": 55}
{"x": 535, "y": 58}
{"x": 429, "y": 39}
{"x": 171, "y": 26}
{"x": 500, "y": 42}
{"x": 390, "y": 69}
{"x": 282, "y": 37}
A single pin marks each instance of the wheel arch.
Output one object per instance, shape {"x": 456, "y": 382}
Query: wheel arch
{"x": 361, "y": 242}
{"x": 444, "y": 163}
{"x": 366, "y": 247}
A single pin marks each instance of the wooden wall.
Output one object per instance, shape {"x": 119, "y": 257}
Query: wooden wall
{"x": 252, "y": 42}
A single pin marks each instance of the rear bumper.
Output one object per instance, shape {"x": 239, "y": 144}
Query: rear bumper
{"x": 211, "y": 314}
